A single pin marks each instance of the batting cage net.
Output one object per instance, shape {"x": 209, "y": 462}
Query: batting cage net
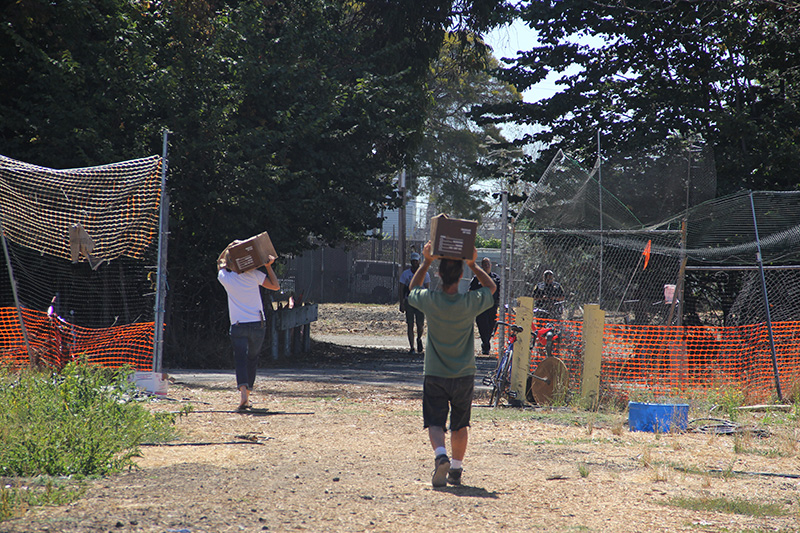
{"x": 81, "y": 246}
{"x": 705, "y": 298}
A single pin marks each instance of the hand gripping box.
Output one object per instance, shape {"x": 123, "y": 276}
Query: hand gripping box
{"x": 452, "y": 238}
{"x": 241, "y": 256}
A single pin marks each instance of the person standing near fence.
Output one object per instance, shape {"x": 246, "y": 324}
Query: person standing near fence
{"x": 449, "y": 364}
{"x": 248, "y": 323}
{"x": 413, "y": 315}
{"x": 549, "y": 295}
{"x": 487, "y": 320}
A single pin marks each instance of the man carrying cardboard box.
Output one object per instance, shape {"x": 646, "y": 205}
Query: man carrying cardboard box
{"x": 248, "y": 324}
{"x": 449, "y": 365}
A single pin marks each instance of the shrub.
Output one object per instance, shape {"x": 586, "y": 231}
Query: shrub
{"x": 82, "y": 421}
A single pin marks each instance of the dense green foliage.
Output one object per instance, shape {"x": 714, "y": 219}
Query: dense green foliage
{"x": 481, "y": 242}
{"x": 287, "y": 116}
{"x": 81, "y": 421}
{"x": 650, "y": 73}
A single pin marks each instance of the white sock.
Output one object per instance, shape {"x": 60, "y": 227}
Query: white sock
{"x": 455, "y": 463}
{"x": 441, "y": 450}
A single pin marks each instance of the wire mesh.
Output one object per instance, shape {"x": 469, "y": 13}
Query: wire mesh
{"x": 684, "y": 295}
{"x": 82, "y": 246}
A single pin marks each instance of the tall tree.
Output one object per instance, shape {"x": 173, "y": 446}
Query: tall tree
{"x": 724, "y": 73}
{"x": 455, "y": 152}
{"x": 285, "y": 116}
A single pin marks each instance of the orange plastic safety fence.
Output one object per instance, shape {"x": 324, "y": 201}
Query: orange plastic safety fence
{"x": 54, "y": 342}
{"x": 666, "y": 360}
{"x": 672, "y": 360}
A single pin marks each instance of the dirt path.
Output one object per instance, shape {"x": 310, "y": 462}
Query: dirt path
{"x": 337, "y": 445}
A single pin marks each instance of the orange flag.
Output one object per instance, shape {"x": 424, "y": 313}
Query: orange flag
{"x": 646, "y": 254}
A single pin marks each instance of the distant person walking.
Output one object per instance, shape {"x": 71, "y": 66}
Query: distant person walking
{"x": 413, "y": 315}
{"x": 487, "y": 320}
{"x": 449, "y": 365}
{"x": 248, "y": 324}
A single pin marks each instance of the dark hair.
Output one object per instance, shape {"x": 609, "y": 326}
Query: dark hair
{"x": 450, "y": 270}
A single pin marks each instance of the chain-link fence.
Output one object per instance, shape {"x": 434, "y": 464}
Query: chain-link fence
{"x": 367, "y": 272}
{"x": 703, "y": 298}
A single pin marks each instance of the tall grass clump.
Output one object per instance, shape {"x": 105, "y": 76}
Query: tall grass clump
{"x": 78, "y": 422}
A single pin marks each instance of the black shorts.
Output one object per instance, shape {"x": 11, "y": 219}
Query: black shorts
{"x": 441, "y": 395}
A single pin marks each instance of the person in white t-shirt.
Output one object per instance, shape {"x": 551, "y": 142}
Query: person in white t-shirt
{"x": 248, "y": 323}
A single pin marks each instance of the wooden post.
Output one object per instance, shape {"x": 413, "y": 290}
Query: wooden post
{"x": 593, "y": 322}
{"x": 521, "y": 364}
{"x": 307, "y": 338}
{"x": 274, "y": 335}
{"x": 285, "y": 342}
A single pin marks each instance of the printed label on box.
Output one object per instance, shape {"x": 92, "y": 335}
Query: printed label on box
{"x": 450, "y": 245}
{"x": 245, "y": 262}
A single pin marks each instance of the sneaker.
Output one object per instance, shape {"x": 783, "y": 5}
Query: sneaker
{"x": 411, "y": 351}
{"x": 419, "y": 346}
{"x": 442, "y": 465}
{"x": 454, "y": 476}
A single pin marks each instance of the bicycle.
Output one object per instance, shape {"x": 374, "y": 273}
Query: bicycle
{"x": 550, "y": 380}
{"x": 547, "y": 334}
{"x": 500, "y": 379}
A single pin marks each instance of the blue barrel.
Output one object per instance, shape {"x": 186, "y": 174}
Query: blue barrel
{"x": 659, "y": 417}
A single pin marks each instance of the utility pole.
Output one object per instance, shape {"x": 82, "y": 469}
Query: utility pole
{"x": 504, "y": 272}
{"x": 401, "y": 224}
{"x": 161, "y": 276}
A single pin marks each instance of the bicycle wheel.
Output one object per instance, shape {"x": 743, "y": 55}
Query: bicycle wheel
{"x": 497, "y": 382}
{"x": 503, "y": 378}
{"x": 494, "y": 394}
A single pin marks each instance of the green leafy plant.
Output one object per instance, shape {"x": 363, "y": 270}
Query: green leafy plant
{"x": 81, "y": 421}
{"x": 14, "y": 500}
{"x": 482, "y": 242}
{"x": 728, "y": 399}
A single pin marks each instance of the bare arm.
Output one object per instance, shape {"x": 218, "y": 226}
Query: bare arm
{"x": 419, "y": 276}
{"x": 485, "y": 279}
{"x": 271, "y": 282}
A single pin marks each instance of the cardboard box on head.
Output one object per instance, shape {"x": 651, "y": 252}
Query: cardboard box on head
{"x": 452, "y": 238}
{"x": 241, "y": 256}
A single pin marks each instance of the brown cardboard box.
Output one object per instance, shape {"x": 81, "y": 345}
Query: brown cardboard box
{"x": 452, "y": 238}
{"x": 241, "y": 256}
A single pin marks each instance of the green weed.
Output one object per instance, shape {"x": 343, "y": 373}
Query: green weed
{"x": 16, "y": 499}
{"x": 729, "y": 399}
{"x": 81, "y": 421}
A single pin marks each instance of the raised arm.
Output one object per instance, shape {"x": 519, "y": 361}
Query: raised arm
{"x": 485, "y": 279}
{"x": 271, "y": 282}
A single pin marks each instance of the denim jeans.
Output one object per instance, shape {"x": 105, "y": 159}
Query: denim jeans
{"x": 247, "y": 338}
